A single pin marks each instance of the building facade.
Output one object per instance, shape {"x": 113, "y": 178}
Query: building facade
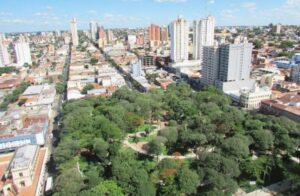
{"x": 93, "y": 30}
{"x": 22, "y": 51}
{"x": 295, "y": 74}
{"x": 4, "y": 56}
{"x": 210, "y": 64}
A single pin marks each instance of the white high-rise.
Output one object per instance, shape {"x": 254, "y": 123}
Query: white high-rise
{"x": 204, "y": 31}
{"x": 179, "y": 31}
{"x": 4, "y": 56}
{"x": 73, "y": 25}
{"x": 94, "y": 30}
{"x": 22, "y": 50}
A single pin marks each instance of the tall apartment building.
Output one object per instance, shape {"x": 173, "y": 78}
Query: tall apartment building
{"x": 164, "y": 34}
{"x": 110, "y": 36}
{"x": 74, "y": 33}
{"x": 228, "y": 66}
{"x": 4, "y": 56}
{"x": 154, "y": 32}
{"x": 211, "y": 61}
{"x": 93, "y": 30}
{"x": 203, "y": 36}
{"x": 179, "y": 31}
{"x": 22, "y": 51}
{"x": 235, "y": 62}
{"x": 295, "y": 73}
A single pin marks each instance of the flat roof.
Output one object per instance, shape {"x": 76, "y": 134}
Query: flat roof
{"x": 33, "y": 90}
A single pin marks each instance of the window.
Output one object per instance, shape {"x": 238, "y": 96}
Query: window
{"x": 22, "y": 183}
{"x": 21, "y": 174}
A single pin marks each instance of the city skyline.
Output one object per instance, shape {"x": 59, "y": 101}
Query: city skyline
{"x": 33, "y": 15}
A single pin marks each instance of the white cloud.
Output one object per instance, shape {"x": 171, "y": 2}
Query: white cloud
{"x": 15, "y": 21}
{"x": 228, "y": 14}
{"x": 41, "y": 14}
{"x": 170, "y": 1}
{"x": 5, "y": 13}
{"x": 211, "y": 1}
{"x": 48, "y": 7}
{"x": 92, "y": 12}
{"x": 250, "y": 6}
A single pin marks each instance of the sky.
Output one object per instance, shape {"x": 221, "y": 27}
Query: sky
{"x": 47, "y": 15}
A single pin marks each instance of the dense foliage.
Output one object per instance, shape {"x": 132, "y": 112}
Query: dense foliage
{"x": 232, "y": 146}
{"x": 7, "y": 70}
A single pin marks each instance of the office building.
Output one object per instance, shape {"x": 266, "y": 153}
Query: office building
{"x": 179, "y": 31}
{"x": 203, "y": 36}
{"x": 295, "y": 73}
{"x": 74, "y": 32}
{"x": 22, "y": 51}
{"x": 4, "y": 56}
{"x": 93, "y": 30}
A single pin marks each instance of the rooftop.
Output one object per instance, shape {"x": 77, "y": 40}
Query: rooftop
{"x": 24, "y": 156}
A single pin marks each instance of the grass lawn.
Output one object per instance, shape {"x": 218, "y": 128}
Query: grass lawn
{"x": 142, "y": 139}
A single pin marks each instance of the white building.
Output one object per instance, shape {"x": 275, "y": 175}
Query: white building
{"x": 204, "y": 31}
{"x": 93, "y": 30}
{"x": 295, "y": 73}
{"x": 73, "y": 26}
{"x": 179, "y": 31}
{"x": 22, "y": 51}
{"x": 131, "y": 39}
{"x": 251, "y": 99}
{"x": 235, "y": 61}
{"x": 4, "y": 56}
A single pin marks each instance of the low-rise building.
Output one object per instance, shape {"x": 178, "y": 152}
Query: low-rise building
{"x": 23, "y": 173}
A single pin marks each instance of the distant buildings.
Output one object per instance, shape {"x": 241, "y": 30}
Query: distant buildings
{"x": 74, "y": 33}
{"x": 4, "y": 56}
{"x": 179, "y": 40}
{"x": 22, "y": 50}
{"x": 203, "y": 36}
{"x": 93, "y": 30}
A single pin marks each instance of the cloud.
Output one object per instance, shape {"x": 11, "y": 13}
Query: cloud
{"x": 16, "y": 21}
{"x": 170, "y": 1}
{"x": 48, "y": 7}
{"x": 41, "y": 14}
{"x": 211, "y": 1}
{"x": 228, "y": 14}
{"x": 5, "y": 13}
{"x": 94, "y": 12}
{"x": 250, "y": 6}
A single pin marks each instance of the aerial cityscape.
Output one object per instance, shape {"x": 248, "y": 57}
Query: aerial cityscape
{"x": 149, "y": 98}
